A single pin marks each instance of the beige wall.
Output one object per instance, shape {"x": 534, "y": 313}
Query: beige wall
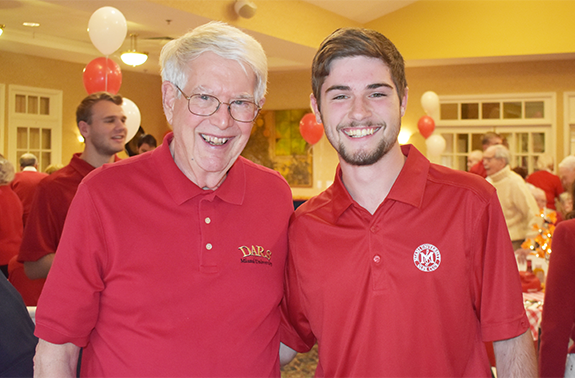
{"x": 291, "y": 90}
{"x": 143, "y": 89}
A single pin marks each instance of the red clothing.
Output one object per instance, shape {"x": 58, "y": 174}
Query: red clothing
{"x": 413, "y": 290}
{"x": 30, "y": 290}
{"x": 10, "y": 224}
{"x": 550, "y": 183}
{"x": 558, "y": 319}
{"x": 24, "y": 185}
{"x": 49, "y": 209}
{"x": 478, "y": 169}
{"x": 163, "y": 278}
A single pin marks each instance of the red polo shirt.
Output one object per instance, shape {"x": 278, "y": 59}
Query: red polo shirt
{"x": 156, "y": 277}
{"x": 412, "y": 290}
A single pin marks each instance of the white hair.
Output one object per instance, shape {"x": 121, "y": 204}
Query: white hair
{"x": 221, "y": 39}
{"x": 568, "y": 162}
{"x": 6, "y": 171}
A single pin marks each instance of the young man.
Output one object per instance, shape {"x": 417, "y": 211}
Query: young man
{"x": 101, "y": 121}
{"x": 401, "y": 267}
{"x": 178, "y": 270}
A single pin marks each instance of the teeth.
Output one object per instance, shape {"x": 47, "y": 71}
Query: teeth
{"x": 358, "y": 133}
{"x": 214, "y": 141}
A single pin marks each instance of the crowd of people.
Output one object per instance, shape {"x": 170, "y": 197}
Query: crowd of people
{"x": 400, "y": 268}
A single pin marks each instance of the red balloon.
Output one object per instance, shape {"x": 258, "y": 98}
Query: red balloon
{"x": 426, "y": 125}
{"x": 310, "y": 130}
{"x": 102, "y": 74}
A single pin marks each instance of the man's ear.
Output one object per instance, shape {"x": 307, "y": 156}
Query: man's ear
{"x": 315, "y": 108}
{"x": 168, "y": 100}
{"x": 404, "y": 101}
{"x": 84, "y": 128}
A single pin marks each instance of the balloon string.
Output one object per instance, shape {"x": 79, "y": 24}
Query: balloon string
{"x": 106, "y": 70}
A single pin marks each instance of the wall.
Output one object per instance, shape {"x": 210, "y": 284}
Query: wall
{"x": 143, "y": 89}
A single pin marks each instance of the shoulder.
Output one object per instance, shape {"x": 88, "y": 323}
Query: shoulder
{"x": 453, "y": 180}
{"x": 119, "y": 171}
{"x": 564, "y": 228}
{"x": 266, "y": 176}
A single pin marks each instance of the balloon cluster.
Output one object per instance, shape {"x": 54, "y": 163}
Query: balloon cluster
{"x": 435, "y": 143}
{"x": 108, "y": 29}
{"x": 310, "y": 130}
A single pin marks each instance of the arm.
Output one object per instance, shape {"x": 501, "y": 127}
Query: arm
{"x": 40, "y": 268}
{"x": 287, "y": 354}
{"x": 55, "y": 360}
{"x": 516, "y": 357}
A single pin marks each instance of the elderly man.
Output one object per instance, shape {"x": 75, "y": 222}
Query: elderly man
{"x": 397, "y": 269}
{"x": 519, "y": 206}
{"x": 172, "y": 262}
{"x": 489, "y": 139}
{"x": 567, "y": 172}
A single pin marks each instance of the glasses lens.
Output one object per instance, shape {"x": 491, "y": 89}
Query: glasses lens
{"x": 243, "y": 111}
{"x": 203, "y": 105}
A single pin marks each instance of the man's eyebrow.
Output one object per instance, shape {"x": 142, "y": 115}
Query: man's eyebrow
{"x": 337, "y": 88}
{"x": 379, "y": 85}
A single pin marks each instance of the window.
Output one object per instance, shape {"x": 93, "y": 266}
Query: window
{"x": 35, "y": 124}
{"x": 525, "y": 122}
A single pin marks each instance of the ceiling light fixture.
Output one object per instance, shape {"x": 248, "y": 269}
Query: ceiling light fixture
{"x": 132, "y": 57}
{"x": 2, "y": 29}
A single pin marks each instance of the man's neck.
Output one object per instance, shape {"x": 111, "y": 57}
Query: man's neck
{"x": 95, "y": 159}
{"x": 369, "y": 185}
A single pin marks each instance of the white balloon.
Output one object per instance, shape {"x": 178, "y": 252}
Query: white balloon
{"x": 430, "y": 103}
{"x": 107, "y": 28}
{"x": 133, "y": 118}
{"x": 435, "y": 145}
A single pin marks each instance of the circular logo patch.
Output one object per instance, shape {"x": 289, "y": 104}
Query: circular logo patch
{"x": 427, "y": 258}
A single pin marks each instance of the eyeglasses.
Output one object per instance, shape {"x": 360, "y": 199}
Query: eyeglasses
{"x": 205, "y": 105}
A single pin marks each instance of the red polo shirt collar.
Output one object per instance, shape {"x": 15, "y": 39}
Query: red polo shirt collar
{"x": 408, "y": 188}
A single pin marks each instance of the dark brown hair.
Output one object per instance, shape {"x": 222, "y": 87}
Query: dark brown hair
{"x": 350, "y": 42}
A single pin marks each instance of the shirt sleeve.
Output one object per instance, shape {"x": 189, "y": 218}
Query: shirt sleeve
{"x": 499, "y": 298}
{"x": 559, "y": 306}
{"x": 295, "y": 330}
{"x": 69, "y": 305}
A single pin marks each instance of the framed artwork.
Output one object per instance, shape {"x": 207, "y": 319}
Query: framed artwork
{"x": 276, "y": 143}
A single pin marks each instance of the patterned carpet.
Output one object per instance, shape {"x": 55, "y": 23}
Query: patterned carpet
{"x": 302, "y": 366}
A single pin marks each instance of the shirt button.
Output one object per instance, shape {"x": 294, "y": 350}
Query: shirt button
{"x": 209, "y": 246}
{"x": 208, "y": 220}
{"x": 376, "y": 259}
{"x": 374, "y": 229}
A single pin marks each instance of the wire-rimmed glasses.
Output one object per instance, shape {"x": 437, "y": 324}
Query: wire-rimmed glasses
{"x": 205, "y": 105}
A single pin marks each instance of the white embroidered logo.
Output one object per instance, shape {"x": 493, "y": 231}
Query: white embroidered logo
{"x": 427, "y": 258}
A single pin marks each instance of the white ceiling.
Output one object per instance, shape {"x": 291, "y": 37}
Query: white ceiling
{"x": 63, "y": 35}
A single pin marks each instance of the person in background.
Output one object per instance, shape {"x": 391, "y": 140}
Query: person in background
{"x": 519, "y": 207}
{"x": 545, "y": 179}
{"x": 565, "y": 204}
{"x": 489, "y": 139}
{"x": 473, "y": 158}
{"x": 391, "y": 269}
{"x": 10, "y": 217}
{"x": 26, "y": 181}
{"x": 567, "y": 172}
{"x": 101, "y": 122}
{"x": 146, "y": 143}
{"x": 53, "y": 168}
{"x": 17, "y": 340}
{"x": 558, "y": 318}
{"x": 181, "y": 274}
